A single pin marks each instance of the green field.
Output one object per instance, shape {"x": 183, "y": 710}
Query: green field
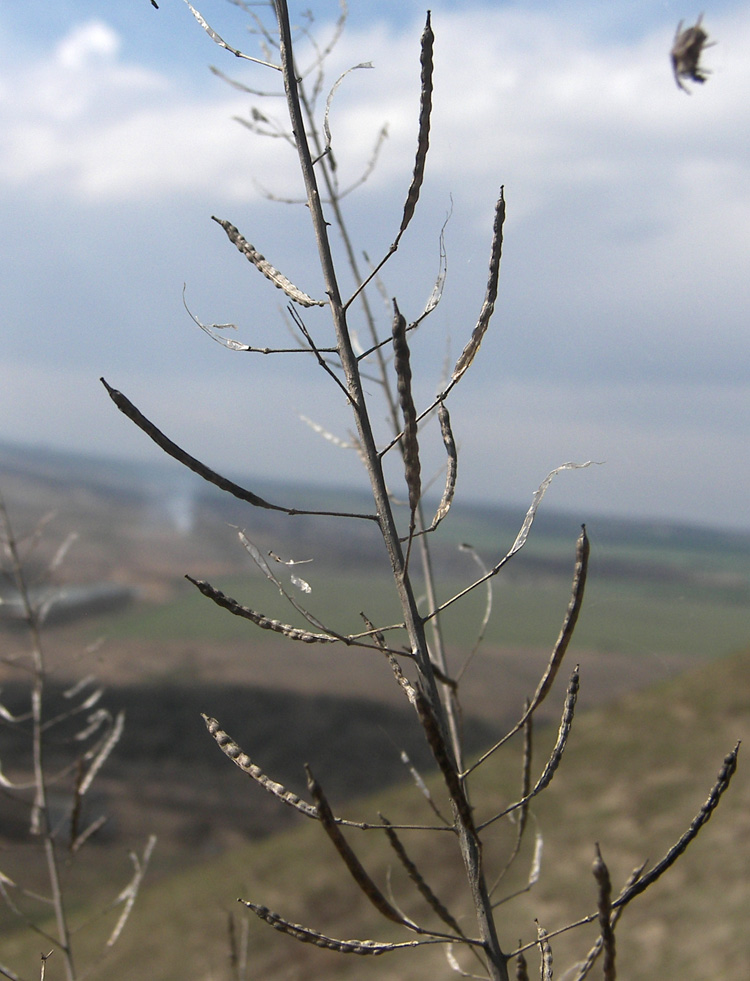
{"x": 621, "y": 614}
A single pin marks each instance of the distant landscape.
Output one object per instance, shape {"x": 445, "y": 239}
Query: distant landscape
{"x": 666, "y": 610}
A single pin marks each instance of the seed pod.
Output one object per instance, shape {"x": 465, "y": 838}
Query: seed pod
{"x": 262, "y": 265}
{"x": 409, "y": 443}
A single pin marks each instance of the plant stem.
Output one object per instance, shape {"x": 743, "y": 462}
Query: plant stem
{"x": 469, "y": 842}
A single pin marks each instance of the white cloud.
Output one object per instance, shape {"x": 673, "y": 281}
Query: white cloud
{"x": 87, "y": 44}
{"x": 538, "y": 106}
{"x": 621, "y": 332}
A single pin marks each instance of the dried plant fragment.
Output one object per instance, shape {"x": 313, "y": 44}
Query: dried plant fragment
{"x": 604, "y": 909}
{"x": 423, "y": 141}
{"x": 528, "y": 742}
{"x": 421, "y": 786}
{"x": 307, "y": 936}
{"x": 488, "y": 307}
{"x": 104, "y": 751}
{"x": 262, "y": 265}
{"x": 353, "y": 864}
{"x": 227, "y": 603}
{"x": 230, "y": 748}
{"x": 329, "y": 100}
{"x": 129, "y": 894}
{"x": 409, "y": 443}
{"x": 686, "y": 54}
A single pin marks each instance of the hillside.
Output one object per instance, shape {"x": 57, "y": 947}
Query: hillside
{"x": 632, "y": 779}
{"x": 661, "y": 600}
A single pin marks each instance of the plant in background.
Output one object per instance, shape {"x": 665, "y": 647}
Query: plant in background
{"x": 56, "y": 750}
{"x": 414, "y": 647}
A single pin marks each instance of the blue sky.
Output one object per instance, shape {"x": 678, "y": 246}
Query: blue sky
{"x": 621, "y": 331}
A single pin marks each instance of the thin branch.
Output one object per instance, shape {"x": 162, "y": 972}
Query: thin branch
{"x": 232, "y": 345}
{"x": 315, "y": 350}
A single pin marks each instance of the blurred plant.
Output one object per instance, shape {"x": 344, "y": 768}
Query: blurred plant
{"x": 413, "y": 647}
{"x": 57, "y": 752}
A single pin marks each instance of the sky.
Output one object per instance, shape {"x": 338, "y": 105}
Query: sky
{"x": 621, "y": 329}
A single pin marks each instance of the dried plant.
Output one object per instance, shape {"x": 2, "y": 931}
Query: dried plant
{"x": 414, "y": 647}
{"x": 53, "y": 773}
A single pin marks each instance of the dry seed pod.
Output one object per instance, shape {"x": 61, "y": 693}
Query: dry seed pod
{"x": 604, "y": 908}
{"x": 488, "y": 307}
{"x": 410, "y": 445}
{"x": 440, "y": 753}
{"x": 227, "y": 603}
{"x": 452, "y": 468}
{"x": 262, "y": 265}
{"x": 350, "y": 860}
{"x": 522, "y": 971}
{"x": 423, "y": 141}
{"x": 416, "y": 877}
{"x": 176, "y": 452}
{"x": 307, "y": 936}
{"x": 727, "y": 771}
{"x": 231, "y": 749}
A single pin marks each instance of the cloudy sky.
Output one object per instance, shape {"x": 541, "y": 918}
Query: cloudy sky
{"x": 621, "y": 332}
